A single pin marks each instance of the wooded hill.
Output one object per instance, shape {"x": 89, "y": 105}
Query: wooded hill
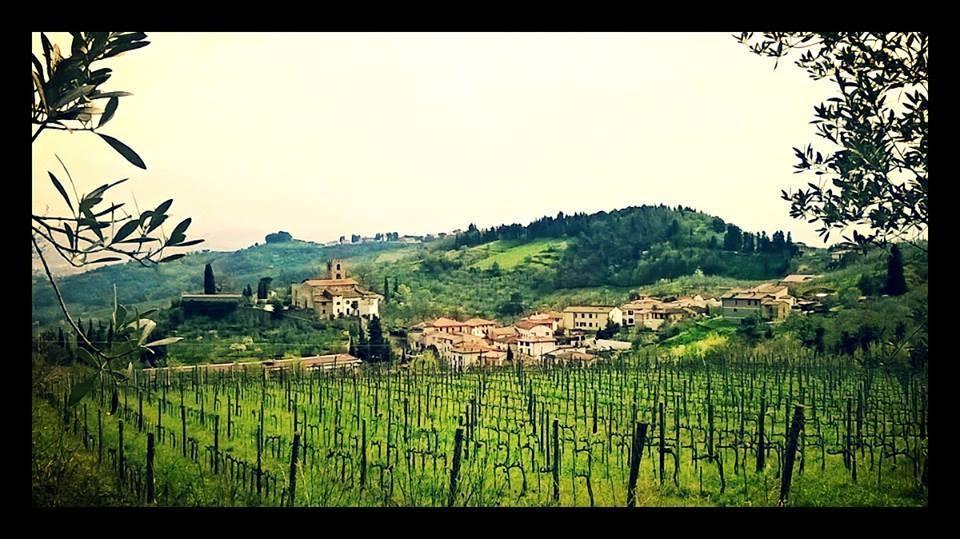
{"x": 496, "y": 272}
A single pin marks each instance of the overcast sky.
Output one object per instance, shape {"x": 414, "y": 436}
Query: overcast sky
{"x": 330, "y": 134}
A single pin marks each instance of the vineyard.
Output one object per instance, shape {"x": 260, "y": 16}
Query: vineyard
{"x": 741, "y": 431}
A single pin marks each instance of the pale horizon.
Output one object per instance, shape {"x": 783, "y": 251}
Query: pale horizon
{"x": 323, "y": 135}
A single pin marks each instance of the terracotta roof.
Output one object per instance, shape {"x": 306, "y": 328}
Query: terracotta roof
{"x": 330, "y": 282}
{"x": 798, "y": 278}
{"x": 479, "y": 322}
{"x": 471, "y": 348}
{"x": 549, "y": 315}
{"x": 759, "y": 292}
{"x": 536, "y": 339}
{"x": 588, "y": 309}
{"x": 447, "y": 322}
{"x": 503, "y": 332}
{"x": 529, "y": 324}
{"x": 643, "y": 304}
{"x": 744, "y": 294}
{"x": 770, "y": 288}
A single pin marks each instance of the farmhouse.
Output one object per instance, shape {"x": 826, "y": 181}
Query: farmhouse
{"x": 479, "y": 327}
{"x": 698, "y": 304}
{"x": 768, "y": 301}
{"x": 449, "y": 325}
{"x": 653, "y": 313}
{"x": 536, "y": 347}
{"x": 502, "y": 340}
{"x": 646, "y": 311}
{"x": 553, "y": 318}
{"x": 475, "y": 354}
{"x": 532, "y": 328}
{"x": 499, "y": 333}
{"x": 335, "y": 296}
{"x": 587, "y": 317}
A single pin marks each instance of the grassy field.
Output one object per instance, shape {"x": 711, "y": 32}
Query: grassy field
{"x": 390, "y": 438}
{"x": 700, "y": 336}
{"x": 510, "y": 254}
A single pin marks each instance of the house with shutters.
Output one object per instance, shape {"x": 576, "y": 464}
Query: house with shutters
{"x": 590, "y": 317}
{"x": 767, "y": 301}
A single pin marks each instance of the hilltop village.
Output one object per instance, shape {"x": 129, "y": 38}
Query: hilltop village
{"x": 578, "y": 333}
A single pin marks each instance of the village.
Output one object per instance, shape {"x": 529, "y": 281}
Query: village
{"x": 577, "y": 334}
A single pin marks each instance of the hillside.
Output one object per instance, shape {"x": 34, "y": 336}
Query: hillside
{"x": 91, "y": 293}
{"x": 496, "y": 272}
{"x": 597, "y": 258}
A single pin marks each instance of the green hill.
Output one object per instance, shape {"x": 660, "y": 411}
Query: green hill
{"x": 496, "y": 272}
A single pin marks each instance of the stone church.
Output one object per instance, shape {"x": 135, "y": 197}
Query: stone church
{"x": 335, "y": 295}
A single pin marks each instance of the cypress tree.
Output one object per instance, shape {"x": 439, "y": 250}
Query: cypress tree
{"x": 60, "y": 340}
{"x": 379, "y": 347}
{"x": 263, "y": 287}
{"x": 733, "y": 239}
{"x": 896, "y": 283}
{"x": 209, "y": 283}
{"x": 362, "y": 348}
{"x": 386, "y": 289}
{"x": 818, "y": 339}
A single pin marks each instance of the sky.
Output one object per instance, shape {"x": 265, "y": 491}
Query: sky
{"x": 324, "y": 135}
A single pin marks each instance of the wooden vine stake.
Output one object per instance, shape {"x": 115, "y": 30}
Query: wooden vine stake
{"x": 455, "y": 470}
{"x": 293, "y": 469}
{"x": 639, "y": 434}
{"x": 150, "y": 497}
{"x": 791, "y": 453}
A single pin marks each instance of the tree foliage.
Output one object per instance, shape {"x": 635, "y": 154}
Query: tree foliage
{"x": 209, "y": 281}
{"x": 263, "y": 287}
{"x": 65, "y": 88}
{"x": 896, "y": 282}
{"x": 278, "y": 237}
{"x": 874, "y": 177}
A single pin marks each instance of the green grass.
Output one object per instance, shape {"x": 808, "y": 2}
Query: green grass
{"x": 394, "y": 256}
{"x": 699, "y": 330}
{"x": 510, "y": 254}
